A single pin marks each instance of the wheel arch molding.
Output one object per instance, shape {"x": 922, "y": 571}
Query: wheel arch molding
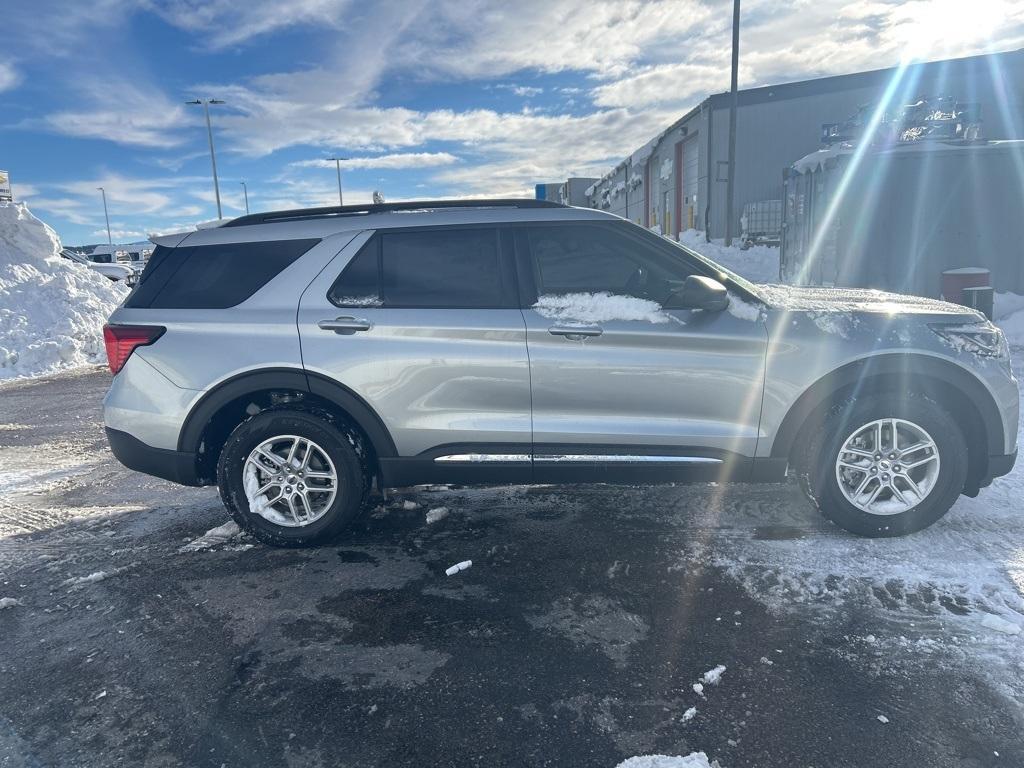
{"x": 274, "y": 380}
{"x": 920, "y": 373}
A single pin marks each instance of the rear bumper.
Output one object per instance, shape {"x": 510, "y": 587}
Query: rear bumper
{"x": 176, "y": 466}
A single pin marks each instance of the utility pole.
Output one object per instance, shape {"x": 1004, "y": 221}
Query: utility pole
{"x": 337, "y": 165}
{"x": 105, "y": 214}
{"x": 213, "y": 156}
{"x": 730, "y": 188}
{"x": 245, "y": 190}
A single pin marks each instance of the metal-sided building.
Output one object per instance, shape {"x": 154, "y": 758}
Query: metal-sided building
{"x": 573, "y": 191}
{"x": 677, "y": 180}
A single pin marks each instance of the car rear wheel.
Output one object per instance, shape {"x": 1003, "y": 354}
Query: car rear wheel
{"x": 293, "y": 478}
{"x": 885, "y": 465}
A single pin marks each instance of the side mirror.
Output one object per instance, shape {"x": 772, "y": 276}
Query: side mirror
{"x": 699, "y": 292}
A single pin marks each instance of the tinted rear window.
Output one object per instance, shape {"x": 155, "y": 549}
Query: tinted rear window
{"x": 212, "y": 276}
{"x": 444, "y": 268}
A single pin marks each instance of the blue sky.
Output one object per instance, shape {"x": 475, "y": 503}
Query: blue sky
{"x": 446, "y": 98}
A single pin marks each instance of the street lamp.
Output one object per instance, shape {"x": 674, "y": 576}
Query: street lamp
{"x": 337, "y": 165}
{"x": 245, "y": 190}
{"x": 213, "y": 157}
{"x": 733, "y": 97}
{"x": 105, "y": 214}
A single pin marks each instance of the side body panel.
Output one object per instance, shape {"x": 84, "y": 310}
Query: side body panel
{"x": 434, "y": 376}
{"x": 693, "y": 382}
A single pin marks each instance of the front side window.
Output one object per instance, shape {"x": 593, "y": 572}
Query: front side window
{"x": 442, "y": 268}
{"x": 596, "y": 259}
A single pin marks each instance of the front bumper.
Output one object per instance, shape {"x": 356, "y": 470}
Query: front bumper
{"x": 999, "y": 466}
{"x": 176, "y": 466}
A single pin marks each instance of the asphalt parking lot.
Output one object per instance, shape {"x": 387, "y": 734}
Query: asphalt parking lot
{"x": 575, "y": 639}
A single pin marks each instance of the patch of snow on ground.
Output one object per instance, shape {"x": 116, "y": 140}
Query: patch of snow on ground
{"x": 759, "y": 263}
{"x": 52, "y": 310}
{"x": 214, "y": 537}
{"x": 436, "y": 515}
{"x": 598, "y": 308}
{"x": 92, "y": 578}
{"x": 689, "y": 714}
{"x": 713, "y": 676}
{"x": 1008, "y": 314}
{"x": 9, "y": 602}
{"x": 933, "y": 597}
{"x": 692, "y": 760}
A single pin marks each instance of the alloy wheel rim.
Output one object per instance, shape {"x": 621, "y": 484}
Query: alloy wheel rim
{"x": 290, "y": 481}
{"x": 888, "y": 466}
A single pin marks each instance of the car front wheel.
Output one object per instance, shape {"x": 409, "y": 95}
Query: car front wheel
{"x": 886, "y": 465}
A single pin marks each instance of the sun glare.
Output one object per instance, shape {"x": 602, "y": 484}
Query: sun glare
{"x": 938, "y": 27}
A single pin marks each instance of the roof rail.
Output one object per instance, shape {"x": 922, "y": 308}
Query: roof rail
{"x": 361, "y": 210}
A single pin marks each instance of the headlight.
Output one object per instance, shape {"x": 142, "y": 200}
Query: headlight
{"x": 982, "y": 339}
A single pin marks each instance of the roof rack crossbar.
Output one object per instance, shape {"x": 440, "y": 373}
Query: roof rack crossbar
{"x": 413, "y": 205}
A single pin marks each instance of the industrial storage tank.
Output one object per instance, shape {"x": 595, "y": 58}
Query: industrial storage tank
{"x": 896, "y": 217}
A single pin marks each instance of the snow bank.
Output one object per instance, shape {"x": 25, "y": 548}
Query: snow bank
{"x": 692, "y": 760}
{"x": 52, "y": 310}
{"x": 759, "y": 263}
{"x": 598, "y": 308}
{"x": 1008, "y": 312}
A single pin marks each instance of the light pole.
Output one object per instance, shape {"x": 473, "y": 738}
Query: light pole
{"x": 730, "y": 187}
{"x": 213, "y": 157}
{"x": 245, "y": 190}
{"x": 105, "y": 214}
{"x": 337, "y": 165}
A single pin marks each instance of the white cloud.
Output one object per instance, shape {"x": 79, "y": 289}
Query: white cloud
{"x": 122, "y": 111}
{"x": 120, "y": 235}
{"x": 10, "y": 78}
{"x": 23, "y": 191}
{"x": 393, "y": 161}
{"x": 233, "y": 22}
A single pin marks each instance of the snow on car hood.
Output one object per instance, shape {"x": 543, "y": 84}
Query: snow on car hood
{"x": 822, "y": 300}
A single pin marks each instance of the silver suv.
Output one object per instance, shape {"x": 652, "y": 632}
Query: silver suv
{"x": 296, "y": 358}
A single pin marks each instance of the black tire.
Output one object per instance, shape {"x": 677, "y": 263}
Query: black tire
{"x": 817, "y": 474}
{"x": 342, "y": 444}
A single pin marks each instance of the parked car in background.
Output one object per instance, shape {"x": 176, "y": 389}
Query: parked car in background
{"x": 119, "y": 271}
{"x": 295, "y": 358}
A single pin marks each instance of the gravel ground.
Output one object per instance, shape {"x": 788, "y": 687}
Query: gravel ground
{"x": 575, "y": 639}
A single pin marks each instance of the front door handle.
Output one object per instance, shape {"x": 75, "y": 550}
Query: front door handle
{"x": 345, "y": 325}
{"x": 576, "y": 333}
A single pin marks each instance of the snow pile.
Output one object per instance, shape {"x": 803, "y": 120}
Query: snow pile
{"x": 9, "y": 602}
{"x": 759, "y": 263}
{"x": 598, "y": 308}
{"x": 52, "y": 310}
{"x": 692, "y": 760}
{"x": 1008, "y": 313}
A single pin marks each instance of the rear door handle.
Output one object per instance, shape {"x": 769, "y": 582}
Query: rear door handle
{"x": 576, "y": 333}
{"x": 345, "y": 325}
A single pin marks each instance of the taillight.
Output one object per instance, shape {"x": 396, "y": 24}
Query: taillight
{"x": 121, "y": 341}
